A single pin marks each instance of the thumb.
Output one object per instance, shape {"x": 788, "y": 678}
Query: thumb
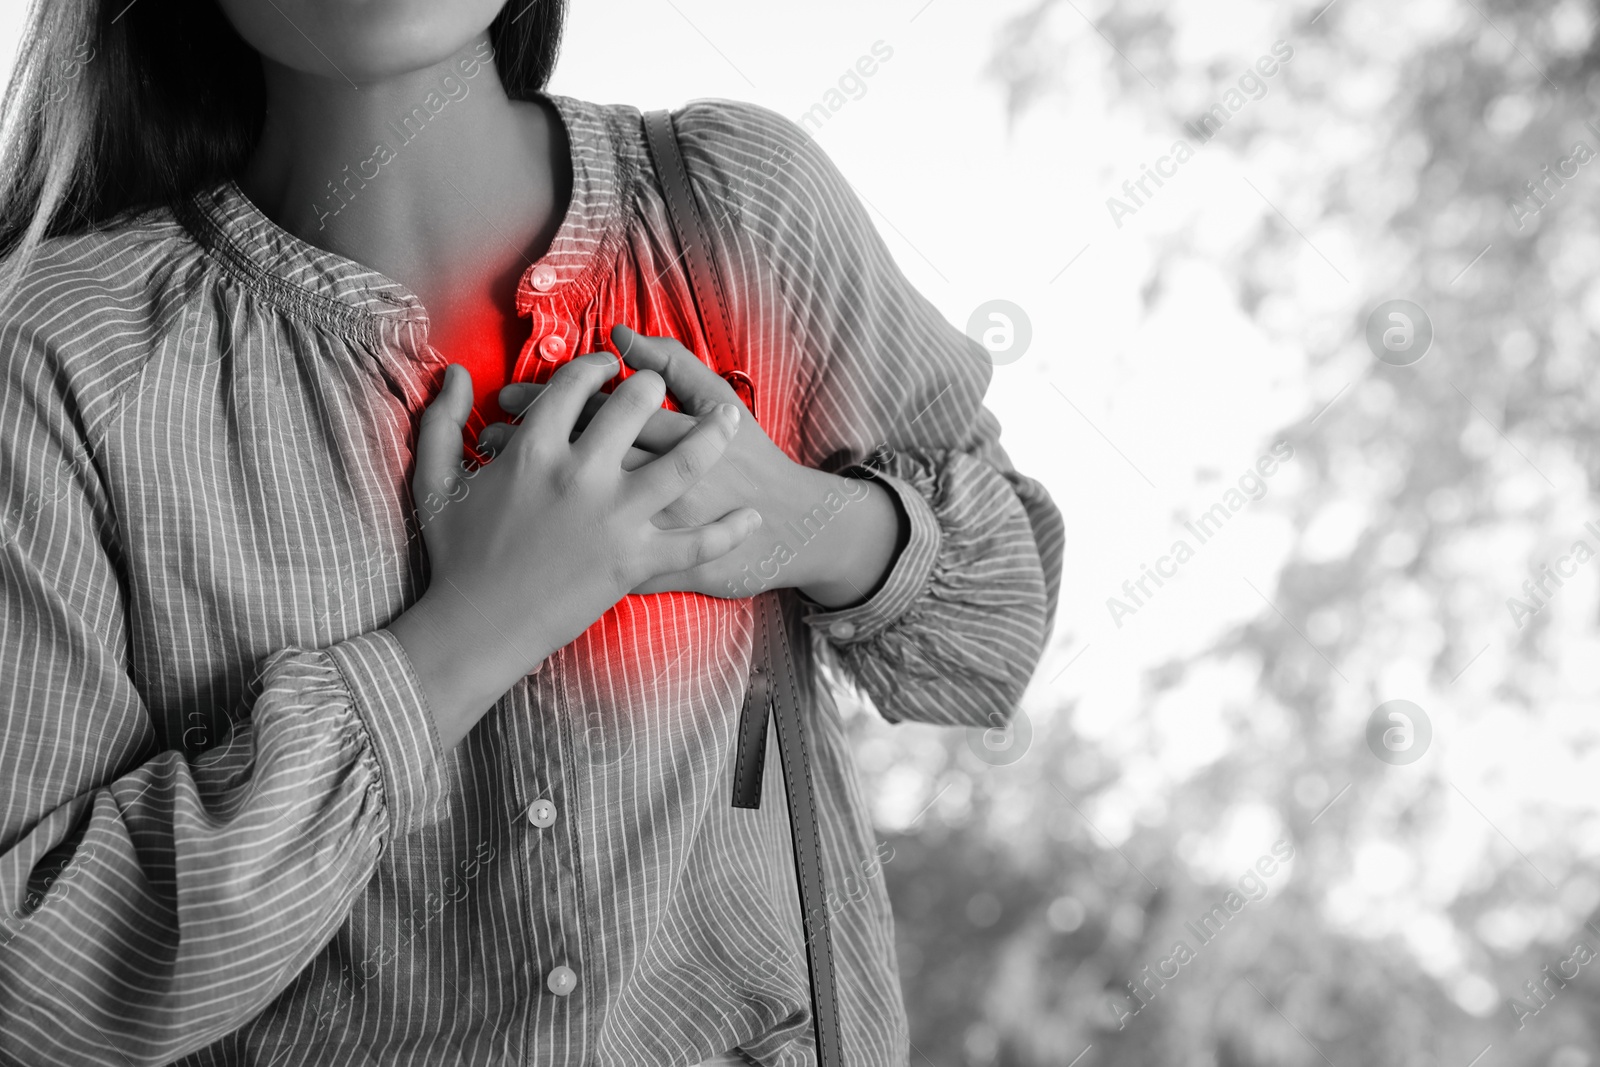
{"x": 697, "y": 388}
{"x": 439, "y": 445}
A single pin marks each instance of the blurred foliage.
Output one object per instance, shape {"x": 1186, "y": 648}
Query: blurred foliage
{"x": 1020, "y": 923}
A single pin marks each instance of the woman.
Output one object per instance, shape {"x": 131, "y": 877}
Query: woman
{"x": 285, "y": 780}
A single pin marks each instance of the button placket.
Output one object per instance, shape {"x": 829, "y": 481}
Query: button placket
{"x": 548, "y": 842}
{"x": 562, "y": 856}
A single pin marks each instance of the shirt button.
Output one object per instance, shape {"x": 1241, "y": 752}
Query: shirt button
{"x": 842, "y": 630}
{"x": 544, "y": 278}
{"x": 553, "y": 347}
{"x": 562, "y": 980}
{"x": 541, "y": 813}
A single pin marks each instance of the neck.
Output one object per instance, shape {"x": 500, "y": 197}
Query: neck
{"x": 405, "y": 174}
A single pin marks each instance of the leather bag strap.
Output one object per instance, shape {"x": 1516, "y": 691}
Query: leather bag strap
{"x": 705, "y": 282}
{"x": 774, "y": 688}
{"x": 775, "y": 661}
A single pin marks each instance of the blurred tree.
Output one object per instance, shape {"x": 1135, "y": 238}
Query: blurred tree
{"x": 1414, "y": 133}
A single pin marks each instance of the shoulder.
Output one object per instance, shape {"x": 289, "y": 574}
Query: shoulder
{"x": 86, "y": 307}
{"x": 730, "y": 130}
{"x": 717, "y": 135}
{"x": 746, "y": 161}
{"x": 124, "y": 260}
{"x": 766, "y": 173}
{"x": 762, "y": 158}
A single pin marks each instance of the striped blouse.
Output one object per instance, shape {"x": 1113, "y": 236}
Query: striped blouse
{"x": 228, "y": 834}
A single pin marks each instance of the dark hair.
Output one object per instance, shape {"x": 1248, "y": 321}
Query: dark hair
{"x": 116, "y": 106}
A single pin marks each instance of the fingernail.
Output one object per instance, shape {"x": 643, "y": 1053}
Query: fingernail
{"x": 729, "y": 411}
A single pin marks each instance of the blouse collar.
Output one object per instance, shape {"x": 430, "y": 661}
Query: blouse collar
{"x": 345, "y": 295}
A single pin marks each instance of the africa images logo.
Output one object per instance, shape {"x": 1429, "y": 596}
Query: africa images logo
{"x": 1398, "y": 732}
{"x": 1399, "y": 333}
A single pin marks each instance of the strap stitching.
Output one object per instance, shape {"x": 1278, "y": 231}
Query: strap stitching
{"x": 825, "y": 973}
{"x": 718, "y": 330}
{"x": 670, "y": 168}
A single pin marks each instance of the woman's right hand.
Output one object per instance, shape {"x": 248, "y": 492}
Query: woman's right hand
{"x": 528, "y": 551}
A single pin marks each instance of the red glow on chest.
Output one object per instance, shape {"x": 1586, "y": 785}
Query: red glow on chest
{"x": 551, "y": 344}
{"x": 668, "y": 633}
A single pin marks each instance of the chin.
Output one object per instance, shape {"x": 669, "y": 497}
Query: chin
{"x": 366, "y": 40}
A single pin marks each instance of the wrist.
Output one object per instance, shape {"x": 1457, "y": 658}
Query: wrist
{"x": 461, "y": 683}
{"x": 852, "y": 555}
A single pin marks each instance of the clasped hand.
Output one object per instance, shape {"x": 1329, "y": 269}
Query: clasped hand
{"x": 850, "y": 540}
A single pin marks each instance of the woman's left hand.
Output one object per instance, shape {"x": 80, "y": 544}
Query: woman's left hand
{"x": 831, "y": 537}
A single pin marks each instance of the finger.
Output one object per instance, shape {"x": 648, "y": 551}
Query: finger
{"x": 693, "y": 581}
{"x": 439, "y": 436}
{"x": 494, "y": 438}
{"x": 660, "y": 482}
{"x": 614, "y": 427}
{"x": 636, "y": 458}
{"x": 682, "y": 550}
{"x": 517, "y": 396}
{"x": 696, "y": 387}
{"x": 553, "y": 413}
{"x": 665, "y": 428}
{"x": 676, "y": 582}
{"x": 659, "y": 433}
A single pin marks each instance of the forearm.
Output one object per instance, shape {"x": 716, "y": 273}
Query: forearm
{"x": 139, "y": 955}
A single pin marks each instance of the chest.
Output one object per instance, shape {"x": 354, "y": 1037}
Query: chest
{"x": 486, "y": 342}
{"x": 270, "y": 507}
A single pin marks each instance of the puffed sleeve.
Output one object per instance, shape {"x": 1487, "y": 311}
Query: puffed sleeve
{"x": 152, "y": 900}
{"x": 894, "y": 392}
